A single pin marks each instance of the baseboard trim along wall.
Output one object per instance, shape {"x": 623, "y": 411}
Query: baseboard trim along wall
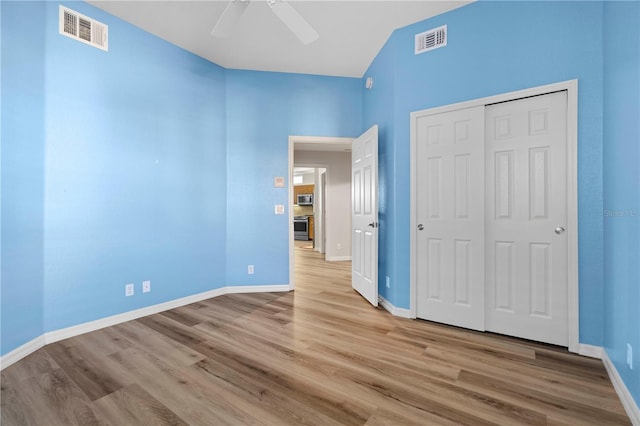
{"x": 22, "y": 351}
{"x": 393, "y": 310}
{"x": 76, "y": 330}
{"x": 627, "y": 400}
{"x": 590, "y": 351}
{"x": 338, "y": 258}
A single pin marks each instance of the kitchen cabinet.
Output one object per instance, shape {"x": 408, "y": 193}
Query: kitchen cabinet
{"x": 311, "y": 227}
{"x": 301, "y": 189}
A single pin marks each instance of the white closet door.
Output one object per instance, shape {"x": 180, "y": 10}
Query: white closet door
{"x": 526, "y": 243}
{"x": 450, "y": 215}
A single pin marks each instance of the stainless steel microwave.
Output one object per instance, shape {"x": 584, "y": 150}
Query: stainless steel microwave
{"x": 305, "y": 199}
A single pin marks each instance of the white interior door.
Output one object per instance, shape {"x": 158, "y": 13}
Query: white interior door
{"x": 364, "y": 215}
{"x": 450, "y": 243}
{"x": 526, "y": 146}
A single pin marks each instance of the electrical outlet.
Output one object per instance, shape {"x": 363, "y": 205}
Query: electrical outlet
{"x": 128, "y": 290}
{"x": 388, "y": 282}
{"x": 339, "y": 246}
{"x": 250, "y": 269}
{"x": 630, "y": 356}
{"x": 146, "y": 286}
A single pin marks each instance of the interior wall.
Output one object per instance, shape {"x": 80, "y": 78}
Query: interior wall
{"x": 22, "y": 173}
{"x": 621, "y": 188}
{"x": 123, "y": 165}
{"x": 263, "y": 110}
{"x": 379, "y": 108}
{"x": 308, "y": 178}
{"x": 113, "y": 172}
{"x": 338, "y": 199}
{"x": 496, "y": 47}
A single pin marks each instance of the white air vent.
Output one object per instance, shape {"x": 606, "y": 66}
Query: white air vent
{"x": 431, "y": 39}
{"x": 81, "y": 28}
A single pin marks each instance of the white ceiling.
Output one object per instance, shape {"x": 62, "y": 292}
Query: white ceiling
{"x": 352, "y": 32}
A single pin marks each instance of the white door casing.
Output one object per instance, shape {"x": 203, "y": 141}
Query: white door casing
{"x": 323, "y": 195}
{"x": 306, "y": 140}
{"x": 364, "y": 215}
{"x": 450, "y": 214}
{"x": 526, "y": 194}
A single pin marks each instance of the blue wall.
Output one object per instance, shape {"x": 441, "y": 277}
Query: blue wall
{"x": 135, "y": 173}
{"x": 22, "y": 170}
{"x": 114, "y": 172}
{"x": 622, "y": 187}
{"x": 497, "y": 47}
{"x": 118, "y": 167}
{"x": 263, "y": 109}
{"x": 379, "y": 108}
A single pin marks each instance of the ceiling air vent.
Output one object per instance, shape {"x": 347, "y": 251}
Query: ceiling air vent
{"x": 81, "y": 28}
{"x": 431, "y": 39}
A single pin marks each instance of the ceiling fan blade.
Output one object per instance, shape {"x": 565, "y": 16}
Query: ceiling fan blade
{"x": 229, "y": 18}
{"x": 294, "y": 21}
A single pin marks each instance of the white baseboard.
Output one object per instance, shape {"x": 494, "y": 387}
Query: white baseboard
{"x": 22, "y": 351}
{"x": 590, "y": 351}
{"x": 76, "y": 330}
{"x": 337, "y": 258}
{"x": 627, "y": 400}
{"x": 257, "y": 288}
{"x": 393, "y": 310}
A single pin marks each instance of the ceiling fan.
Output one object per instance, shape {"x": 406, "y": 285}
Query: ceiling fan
{"x": 282, "y": 9}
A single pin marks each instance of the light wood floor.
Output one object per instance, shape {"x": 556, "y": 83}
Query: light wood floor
{"x": 319, "y": 355}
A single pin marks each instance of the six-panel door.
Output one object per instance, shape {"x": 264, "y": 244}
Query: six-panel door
{"x": 450, "y": 211}
{"x": 526, "y": 218}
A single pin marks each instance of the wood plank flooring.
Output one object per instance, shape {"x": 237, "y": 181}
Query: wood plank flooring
{"x": 319, "y": 356}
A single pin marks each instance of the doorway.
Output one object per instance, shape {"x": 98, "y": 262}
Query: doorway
{"x": 323, "y": 153}
{"x": 481, "y": 259}
{"x": 306, "y": 205}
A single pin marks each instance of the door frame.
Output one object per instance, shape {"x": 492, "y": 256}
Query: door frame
{"x": 571, "y": 86}
{"x": 322, "y": 248}
{"x": 301, "y": 140}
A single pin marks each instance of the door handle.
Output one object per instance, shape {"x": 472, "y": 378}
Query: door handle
{"x": 559, "y": 230}
{"x": 420, "y": 227}
{"x": 373, "y": 224}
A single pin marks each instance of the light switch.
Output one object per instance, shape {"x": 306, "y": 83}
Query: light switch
{"x": 279, "y": 209}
